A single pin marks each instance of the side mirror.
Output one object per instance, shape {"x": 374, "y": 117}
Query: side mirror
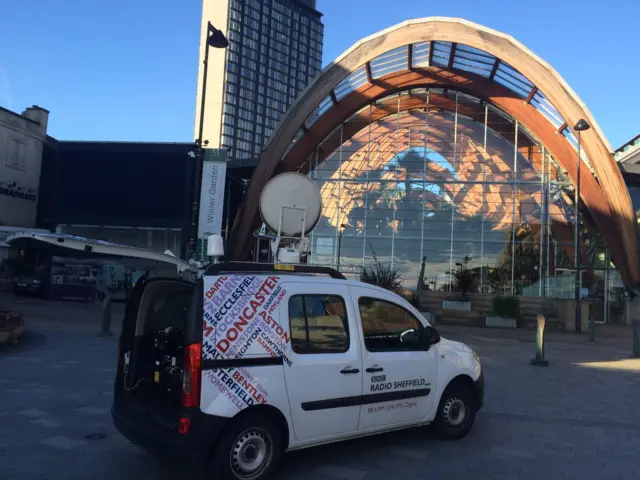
{"x": 431, "y": 336}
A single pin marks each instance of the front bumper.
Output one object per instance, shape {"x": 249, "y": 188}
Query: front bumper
{"x": 479, "y": 390}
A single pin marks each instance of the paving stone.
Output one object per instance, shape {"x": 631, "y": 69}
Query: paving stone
{"x": 64, "y": 443}
{"x": 333, "y": 471}
{"x": 537, "y": 424}
{"x": 93, "y": 410}
{"x": 45, "y": 423}
{"x": 33, "y": 413}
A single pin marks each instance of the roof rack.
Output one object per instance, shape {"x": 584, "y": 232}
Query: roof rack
{"x": 233, "y": 267}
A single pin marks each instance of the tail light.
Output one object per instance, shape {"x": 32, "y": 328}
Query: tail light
{"x": 192, "y": 375}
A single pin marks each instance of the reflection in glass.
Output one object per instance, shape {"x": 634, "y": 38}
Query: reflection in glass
{"x": 440, "y": 177}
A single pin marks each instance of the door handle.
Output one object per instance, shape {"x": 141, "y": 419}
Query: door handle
{"x": 348, "y": 370}
{"x": 374, "y": 369}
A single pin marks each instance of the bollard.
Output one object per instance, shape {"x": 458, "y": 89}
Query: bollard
{"x": 592, "y": 324}
{"x": 539, "y": 359}
{"x": 636, "y": 339}
{"x": 105, "y": 330}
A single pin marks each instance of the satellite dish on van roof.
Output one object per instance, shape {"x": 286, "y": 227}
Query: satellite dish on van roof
{"x": 290, "y": 204}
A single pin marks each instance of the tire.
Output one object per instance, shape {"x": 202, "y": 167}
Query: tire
{"x": 248, "y": 437}
{"x": 456, "y": 412}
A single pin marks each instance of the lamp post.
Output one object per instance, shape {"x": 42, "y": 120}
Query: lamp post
{"x": 579, "y": 127}
{"x": 215, "y": 39}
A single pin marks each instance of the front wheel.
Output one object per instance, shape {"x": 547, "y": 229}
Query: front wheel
{"x": 249, "y": 449}
{"x": 456, "y": 412}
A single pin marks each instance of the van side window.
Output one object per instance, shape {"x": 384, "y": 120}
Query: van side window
{"x": 387, "y": 327}
{"x": 318, "y": 324}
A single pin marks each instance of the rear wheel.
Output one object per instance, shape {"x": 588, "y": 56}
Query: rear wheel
{"x": 249, "y": 449}
{"x": 456, "y": 412}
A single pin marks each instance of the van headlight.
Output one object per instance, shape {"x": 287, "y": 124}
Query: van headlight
{"x": 477, "y": 357}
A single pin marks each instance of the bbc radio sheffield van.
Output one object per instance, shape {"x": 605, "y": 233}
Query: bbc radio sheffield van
{"x": 241, "y": 362}
{"x": 253, "y": 360}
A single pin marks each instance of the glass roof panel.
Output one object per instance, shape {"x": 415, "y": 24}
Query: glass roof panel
{"x": 392, "y": 61}
{"x": 473, "y": 60}
{"x": 324, "y": 105}
{"x": 540, "y": 102}
{"x": 351, "y": 83}
{"x": 513, "y": 80}
{"x": 421, "y": 54}
{"x": 441, "y": 53}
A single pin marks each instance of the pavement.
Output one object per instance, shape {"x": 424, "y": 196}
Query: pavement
{"x": 576, "y": 419}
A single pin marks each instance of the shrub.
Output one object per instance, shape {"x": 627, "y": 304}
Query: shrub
{"x": 506, "y": 306}
{"x": 381, "y": 275}
{"x": 464, "y": 282}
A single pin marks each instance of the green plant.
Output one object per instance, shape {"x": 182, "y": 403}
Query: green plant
{"x": 464, "y": 280}
{"x": 381, "y": 275}
{"x": 506, "y": 306}
{"x": 465, "y": 283}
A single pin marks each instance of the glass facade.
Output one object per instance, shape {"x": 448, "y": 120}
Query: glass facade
{"x": 275, "y": 50}
{"x": 452, "y": 183}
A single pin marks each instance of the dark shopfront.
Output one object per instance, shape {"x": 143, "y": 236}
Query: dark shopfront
{"x": 137, "y": 194}
{"x": 132, "y": 193}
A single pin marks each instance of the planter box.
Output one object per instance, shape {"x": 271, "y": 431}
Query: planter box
{"x": 456, "y": 305}
{"x": 501, "y": 322}
{"x": 11, "y": 327}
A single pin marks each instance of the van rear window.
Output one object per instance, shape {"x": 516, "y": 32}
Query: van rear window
{"x": 318, "y": 324}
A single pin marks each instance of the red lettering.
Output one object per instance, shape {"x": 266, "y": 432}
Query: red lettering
{"x": 237, "y": 376}
{"x": 264, "y": 289}
{"x": 215, "y": 287}
{"x": 255, "y": 305}
{"x": 207, "y": 329}
{"x": 232, "y": 334}
{"x": 242, "y": 322}
{"x": 285, "y": 337}
{"x": 223, "y": 345}
{"x": 260, "y": 297}
{"x": 248, "y": 313}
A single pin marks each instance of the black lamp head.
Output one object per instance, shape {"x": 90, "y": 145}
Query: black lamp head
{"x": 582, "y": 125}
{"x": 216, "y": 38}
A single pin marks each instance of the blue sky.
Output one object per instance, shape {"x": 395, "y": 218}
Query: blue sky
{"x": 126, "y": 69}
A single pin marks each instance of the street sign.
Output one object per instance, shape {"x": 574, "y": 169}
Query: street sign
{"x": 214, "y": 174}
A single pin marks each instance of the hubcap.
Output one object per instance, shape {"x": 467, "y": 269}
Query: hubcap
{"x": 454, "y": 411}
{"x": 250, "y": 454}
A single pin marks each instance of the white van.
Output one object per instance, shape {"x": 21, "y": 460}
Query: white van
{"x": 242, "y": 362}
